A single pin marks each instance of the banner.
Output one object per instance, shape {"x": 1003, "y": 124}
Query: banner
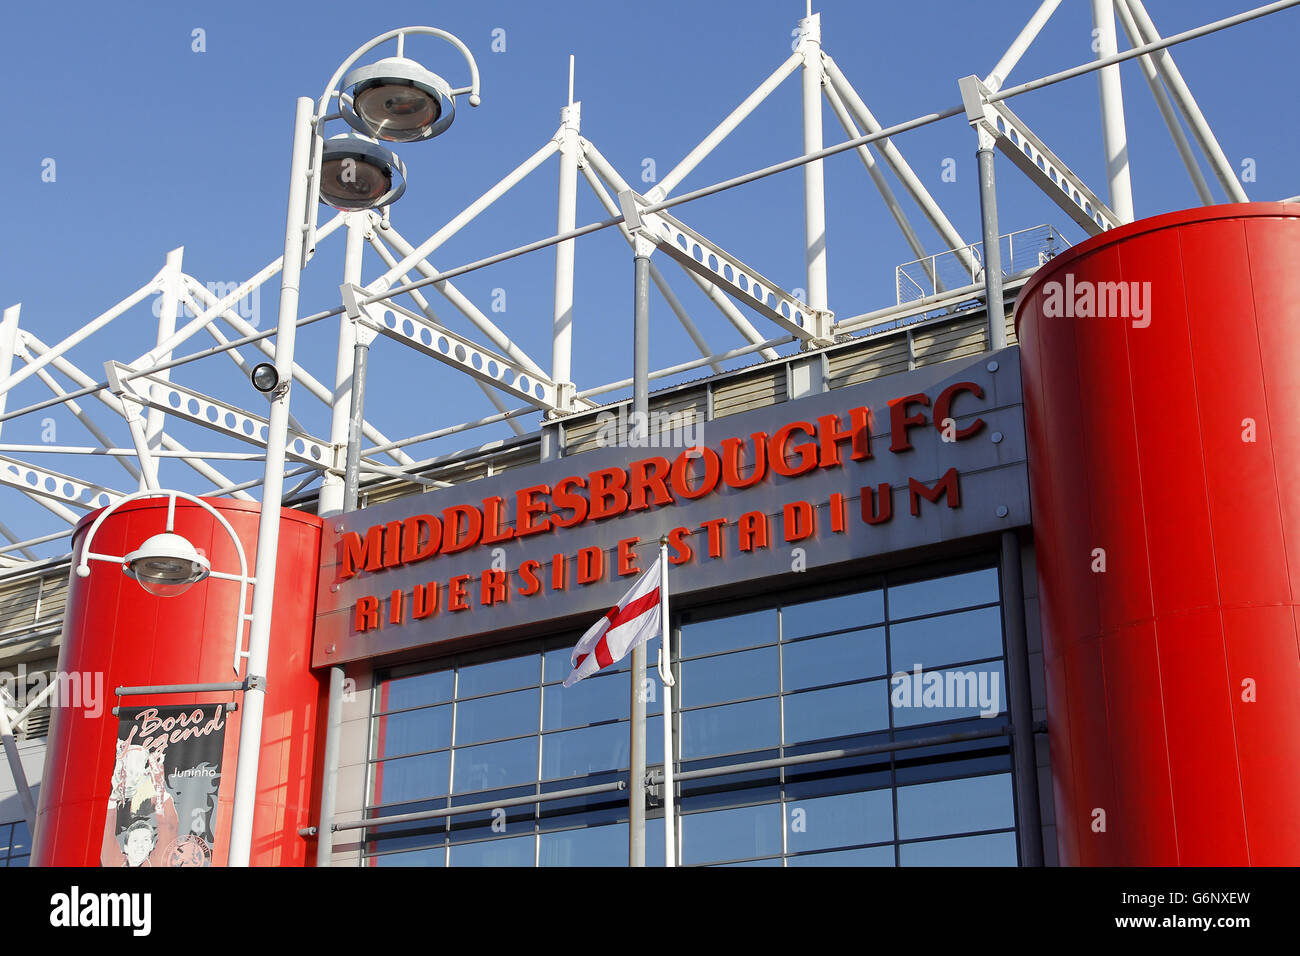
{"x": 162, "y": 807}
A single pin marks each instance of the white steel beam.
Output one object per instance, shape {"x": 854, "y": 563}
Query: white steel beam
{"x": 8, "y": 342}
{"x": 814, "y": 184}
{"x": 1166, "y": 108}
{"x": 1114, "y": 135}
{"x": 172, "y": 285}
{"x": 566, "y": 220}
{"x": 56, "y": 487}
{"x": 1187, "y": 104}
{"x": 1019, "y": 143}
{"x": 1002, "y": 69}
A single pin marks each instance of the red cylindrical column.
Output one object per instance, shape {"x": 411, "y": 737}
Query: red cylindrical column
{"x": 1164, "y": 459}
{"x": 114, "y": 629}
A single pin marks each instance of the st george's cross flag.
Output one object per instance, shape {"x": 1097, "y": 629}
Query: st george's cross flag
{"x": 633, "y": 621}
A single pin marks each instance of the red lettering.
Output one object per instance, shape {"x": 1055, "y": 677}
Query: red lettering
{"x": 627, "y": 557}
{"x": 424, "y": 601}
{"x": 492, "y": 530}
{"x": 608, "y": 493}
{"x": 799, "y": 519}
{"x": 367, "y": 613}
{"x": 559, "y": 572}
{"x": 943, "y": 409}
{"x": 421, "y": 527}
{"x": 461, "y": 527}
{"x": 806, "y": 453}
{"x": 564, "y": 498}
{"x": 900, "y": 421}
{"x": 731, "y": 449}
{"x": 839, "y": 513}
{"x": 360, "y": 554}
{"x": 681, "y": 473}
{"x": 528, "y": 573}
{"x": 869, "y": 513}
{"x": 458, "y": 593}
{"x": 527, "y": 508}
{"x": 714, "y": 529}
{"x": 648, "y": 474}
{"x": 946, "y": 487}
{"x": 396, "y": 605}
{"x": 392, "y": 544}
{"x": 752, "y": 530}
{"x": 591, "y": 565}
{"x": 831, "y": 435}
{"x": 682, "y": 551}
{"x": 492, "y": 587}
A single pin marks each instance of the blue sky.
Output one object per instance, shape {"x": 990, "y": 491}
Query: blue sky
{"x": 156, "y": 145}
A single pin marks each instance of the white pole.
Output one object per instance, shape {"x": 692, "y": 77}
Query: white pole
{"x": 566, "y": 220}
{"x": 8, "y": 343}
{"x": 156, "y": 417}
{"x": 1113, "y": 132}
{"x": 331, "y": 489}
{"x": 268, "y": 527}
{"x": 814, "y": 187}
{"x": 1187, "y": 104}
{"x": 666, "y": 676}
{"x": 1020, "y": 44}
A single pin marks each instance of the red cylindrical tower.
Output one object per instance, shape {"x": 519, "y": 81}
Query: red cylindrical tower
{"x": 1164, "y": 458}
{"x": 114, "y": 629}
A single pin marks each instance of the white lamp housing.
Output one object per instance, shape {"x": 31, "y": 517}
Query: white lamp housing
{"x": 166, "y": 565}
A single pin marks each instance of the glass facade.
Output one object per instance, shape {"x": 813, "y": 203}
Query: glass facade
{"x": 895, "y": 667}
{"x": 15, "y": 844}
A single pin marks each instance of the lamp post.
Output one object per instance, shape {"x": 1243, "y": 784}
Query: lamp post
{"x": 394, "y": 99}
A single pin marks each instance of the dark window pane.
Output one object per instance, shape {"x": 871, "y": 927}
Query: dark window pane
{"x": 511, "y": 851}
{"x": 724, "y": 634}
{"x": 494, "y": 676}
{"x": 416, "y": 690}
{"x": 571, "y": 753}
{"x": 590, "y": 846}
{"x": 412, "y": 778}
{"x": 989, "y": 849}
{"x": 846, "y": 819}
{"x": 490, "y": 766}
{"x": 713, "y": 680}
{"x": 432, "y": 856}
{"x": 731, "y": 834}
{"x": 866, "y": 856}
{"x": 947, "y": 639}
{"x": 834, "y": 660}
{"x": 832, "y": 614}
{"x": 413, "y": 731}
{"x": 955, "y": 806}
{"x": 978, "y": 690}
{"x": 836, "y": 712}
{"x": 502, "y": 715}
{"x": 598, "y": 698}
{"x": 943, "y": 594}
{"x": 733, "y": 728}
{"x": 558, "y": 667}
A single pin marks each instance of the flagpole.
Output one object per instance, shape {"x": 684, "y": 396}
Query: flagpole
{"x": 639, "y": 426}
{"x": 666, "y": 676}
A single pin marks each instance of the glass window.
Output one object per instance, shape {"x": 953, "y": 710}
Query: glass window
{"x": 508, "y": 851}
{"x": 501, "y": 715}
{"x": 943, "y": 594}
{"x": 589, "y": 701}
{"x": 493, "y": 676}
{"x": 589, "y": 846}
{"x": 571, "y": 753}
{"x": 954, "y": 694}
{"x": 417, "y": 690}
{"x": 955, "y": 806}
{"x": 736, "y": 834}
{"x": 836, "y": 712}
{"x": 947, "y": 639}
{"x": 866, "y": 856}
{"x": 414, "y": 731}
{"x": 491, "y": 766}
{"x": 714, "y": 680}
{"x": 412, "y": 778}
{"x": 834, "y": 660}
{"x": 729, "y": 633}
{"x": 431, "y": 856}
{"x": 847, "y": 819}
{"x": 732, "y": 728}
{"x": 832, "y": 614}
{"x": 987, "y": 849}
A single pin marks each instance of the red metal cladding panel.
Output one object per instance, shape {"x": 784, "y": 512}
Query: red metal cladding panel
{"x": 114, "y": 628}
{"x": 1170, "y": 435}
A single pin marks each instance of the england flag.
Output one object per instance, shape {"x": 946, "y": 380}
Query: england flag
{"x": 633, "y": 621}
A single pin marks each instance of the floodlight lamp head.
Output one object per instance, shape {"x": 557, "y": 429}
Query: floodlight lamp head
{"x": 166, "y": 565}
{"x": 398, "y": 100}
{"x": 358, "y": 173}
{"x": 264, "y": 377}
